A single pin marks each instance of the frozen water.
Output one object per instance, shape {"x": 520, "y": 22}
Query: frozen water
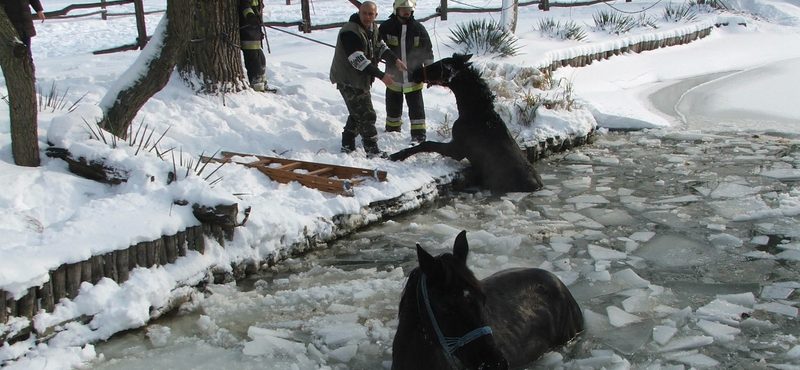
{"x": 675, "y": 265}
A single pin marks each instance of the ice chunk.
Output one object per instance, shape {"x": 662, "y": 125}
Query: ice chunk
{"x": 268, "y": 342}
{"x": 580, "y": 220}
{"x": 776, "y": 292}
{"x": 723, "y": 311}
{"x": 743, "y": 299}
{"x": 725, "y": 240}
{"x": 609, "y": 217}
{"x": 698, "y": 360}
{"x": 561, "y": 247}
{"x": 760, "y": 240}
{"x": 662, "y": 334}
{"x": 720, "y": 332}
{"x": 734, "y": 190}
{"x": 791, "y": 255}
{"x": 671, "y": 250}
{"x": 778, "y": 308}
{"x": 344, "y": 354}
{"x": 629, "y": 278}
{"x": 580, "y": 183}
{"x": 338, "y": 334}
{"x": 793, "y": 353}
{"x": 681, "y": 199}
{"x": 159, "y": 335}
{"x": 639, "y": 303}
{"x": 599, "y": 253}
{"x": 785, "y": 174}
{"x": 593, "y": 199}
{"x": 599, "y": 276}
{"x": 642, "y": 236}
{"x": 550, "y": 360}
{"x": 684, "y": 343}
{"x": 619, "y": 318}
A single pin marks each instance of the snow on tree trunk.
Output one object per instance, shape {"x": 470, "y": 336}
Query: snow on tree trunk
{"x": 508, "y": 15}
{"x": 18, "y": 70}
{"x": 151, "y": 71}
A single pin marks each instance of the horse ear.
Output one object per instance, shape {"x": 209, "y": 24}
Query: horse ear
{"x": 461, "y": 247}
{"x": 427, "y": 263}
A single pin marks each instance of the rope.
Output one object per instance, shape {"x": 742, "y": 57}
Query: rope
{"x": 302, "y": 37}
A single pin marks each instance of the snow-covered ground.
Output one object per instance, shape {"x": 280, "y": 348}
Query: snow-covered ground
{"x": 52, "y": 217}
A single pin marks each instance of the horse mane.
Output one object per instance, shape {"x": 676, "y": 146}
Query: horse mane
{"x": 474, "y": 98}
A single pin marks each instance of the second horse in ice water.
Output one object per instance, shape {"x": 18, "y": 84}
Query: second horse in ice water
{"x": 479, "y": 134}
{"x": 450, "y": 320}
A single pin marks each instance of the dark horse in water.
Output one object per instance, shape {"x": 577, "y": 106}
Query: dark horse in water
{"x": 450, "y": 320}
{"x": 479, "y": 134}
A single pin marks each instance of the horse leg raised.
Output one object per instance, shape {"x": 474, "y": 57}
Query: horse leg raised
{"x": 445, "y": 149}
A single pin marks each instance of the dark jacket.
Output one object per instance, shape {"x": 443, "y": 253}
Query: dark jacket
{"x": 19, "y": 13}
{"x": 411, "y": 44}
{"x": 251, "y": 15}
{"x": 358, "y": 51}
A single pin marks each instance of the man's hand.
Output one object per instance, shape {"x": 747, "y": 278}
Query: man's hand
{"x": 40, "y": 14}
{"x": 401, "y": 65}
{"x": 387, "y": 79}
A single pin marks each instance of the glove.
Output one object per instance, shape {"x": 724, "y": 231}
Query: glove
{"x": 252, "y": 21}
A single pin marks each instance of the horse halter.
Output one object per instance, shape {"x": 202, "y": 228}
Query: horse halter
{"x": 441, "y": 78}
{"x": 449, "y": 344}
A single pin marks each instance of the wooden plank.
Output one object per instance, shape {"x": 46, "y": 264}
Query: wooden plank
{"x": 290, "y": 166}
{"x": 45, "y": 295}
{"x": 97, "y": 269}
{"x": 11, "y": 306}
{"x": 321, "y": 171}
{"x": 161, "y": 251}
{"x": 171, "y": 248}
{"x": 73, "y": 279}
{"x": 110, "y": 266}
{"x": 182, "y": 243}
{"x": 122, "y": 265}
{"x": 86, "y": 270}
{"x": 59, "y": 279}
{"x": 26, "y": 305}
{"x": 152, "y": 254}
{"x": 328, "y": 185}
{"x": 141, "y": 255}
{"x": 3, "y": 312}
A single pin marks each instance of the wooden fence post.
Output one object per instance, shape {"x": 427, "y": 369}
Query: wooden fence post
{"x": 545, "y": 5}
{"x": 140, "y": 26}
{"x": 442, "y": 10}
{"x": 104, "y": 12}
{"x": 305, "y": 10}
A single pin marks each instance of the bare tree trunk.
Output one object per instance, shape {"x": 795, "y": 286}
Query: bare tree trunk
{"x": 213, "y": 62}
{"x": 17, "y": 65}
{"x": 160, "y": 55}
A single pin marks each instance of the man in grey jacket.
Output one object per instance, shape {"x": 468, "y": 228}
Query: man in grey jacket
{"x": 355, "y": 66}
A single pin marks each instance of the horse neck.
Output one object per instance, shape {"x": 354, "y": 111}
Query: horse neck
{"x": 473, "y": 97}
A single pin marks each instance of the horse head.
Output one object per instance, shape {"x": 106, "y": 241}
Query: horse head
{"x": 443, "y": 71}
{"x": 452, "y": 304}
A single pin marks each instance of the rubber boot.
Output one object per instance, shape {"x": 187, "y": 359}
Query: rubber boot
{"x": 371, "y": 147}
{"x": 348, "y": 142}
{"x": 418, "y": 136}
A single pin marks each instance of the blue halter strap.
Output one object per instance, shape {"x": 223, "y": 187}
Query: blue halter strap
{"x": 449, "y": 344}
